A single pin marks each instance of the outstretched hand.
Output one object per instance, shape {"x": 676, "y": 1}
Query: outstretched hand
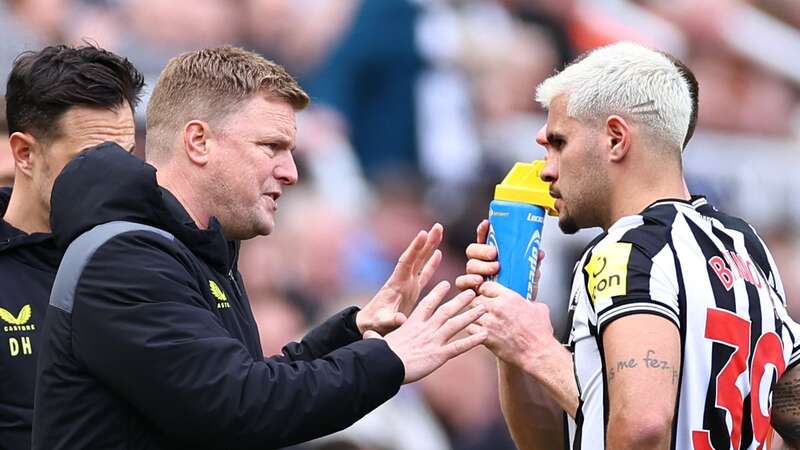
{"x": 390, "y": 307}
{"x": 423, "y": 342}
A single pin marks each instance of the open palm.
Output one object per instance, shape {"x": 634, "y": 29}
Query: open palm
{"x": 389, "y": 308}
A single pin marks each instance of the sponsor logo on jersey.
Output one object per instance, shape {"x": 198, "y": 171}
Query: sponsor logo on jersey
{"x": 607, "y": 271}
{"x": 219, "y": 294}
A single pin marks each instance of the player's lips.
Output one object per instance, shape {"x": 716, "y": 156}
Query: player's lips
{"x": 274, "y": 196}
{"x": 557, "y": 196}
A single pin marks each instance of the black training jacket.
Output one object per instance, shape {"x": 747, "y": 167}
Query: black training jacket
{"x": 150, "y": 341}
{"x": 28, "y": 264}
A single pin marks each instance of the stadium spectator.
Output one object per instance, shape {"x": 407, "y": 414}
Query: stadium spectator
{"x": 369, "y": 77}
{"x": 59, "y": 100}
{"x": 674, "y": 297}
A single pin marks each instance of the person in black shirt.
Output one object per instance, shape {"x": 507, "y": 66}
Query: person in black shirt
{"x": 59, "y": 100}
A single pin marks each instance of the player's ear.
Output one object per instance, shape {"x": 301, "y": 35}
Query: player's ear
{"x": 22, "y": 148}
{"x": 195, "y": 141}
{"x": 618, "y": 138}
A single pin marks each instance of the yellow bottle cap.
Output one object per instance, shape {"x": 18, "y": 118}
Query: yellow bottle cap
{"x": 523, "y": 184}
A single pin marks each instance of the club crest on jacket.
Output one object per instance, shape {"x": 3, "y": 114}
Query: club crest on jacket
{"x": 219, "y": 294}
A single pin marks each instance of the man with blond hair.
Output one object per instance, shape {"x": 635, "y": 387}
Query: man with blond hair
{"x": 151, "y": 341}
{"x": 679, "y": 333}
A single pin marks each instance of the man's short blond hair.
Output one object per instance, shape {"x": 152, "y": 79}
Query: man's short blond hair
{"x": 208, "y": 85}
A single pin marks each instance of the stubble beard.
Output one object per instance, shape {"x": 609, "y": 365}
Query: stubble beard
{"x": 568, "y": 225}
{"x": 586, "y": 209}
{"x": 589, "y": 199}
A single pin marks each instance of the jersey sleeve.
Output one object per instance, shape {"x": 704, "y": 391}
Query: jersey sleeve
{"x": 770, "y": 268}
{"x": 794, "y": 359}
{"x": 791, "y": 332}
{"x": 621, "y": 279}
{"x": 790, "y": 335}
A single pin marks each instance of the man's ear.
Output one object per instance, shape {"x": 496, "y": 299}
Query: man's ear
{"x": 196, "y": 135}
{"x": 22, "y": 148}
{"x": 618, "y": 134}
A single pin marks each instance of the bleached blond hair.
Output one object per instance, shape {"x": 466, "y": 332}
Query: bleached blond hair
{"x": 637, "y": 83}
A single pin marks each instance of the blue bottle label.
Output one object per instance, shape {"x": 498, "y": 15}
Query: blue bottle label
{"x": 515, "y": 230}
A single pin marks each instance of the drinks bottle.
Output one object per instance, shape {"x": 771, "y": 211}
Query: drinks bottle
{"x": 516, "y": 217}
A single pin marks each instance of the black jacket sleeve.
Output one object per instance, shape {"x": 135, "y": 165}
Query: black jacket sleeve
{"x": 142, "y": 327}
{"x": 339, "y": 330}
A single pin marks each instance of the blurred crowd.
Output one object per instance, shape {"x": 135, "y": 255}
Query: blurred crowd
{"x": 419, "y": 108}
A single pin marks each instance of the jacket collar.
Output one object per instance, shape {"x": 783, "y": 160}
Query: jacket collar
{"x": 37, "y": 249}
{"x": 209, "y": 244}
{"x": 106, "y": 183}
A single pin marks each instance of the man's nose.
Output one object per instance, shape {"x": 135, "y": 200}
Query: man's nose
{"x": 286, "y": 170}
{"x": 550, "y": 170}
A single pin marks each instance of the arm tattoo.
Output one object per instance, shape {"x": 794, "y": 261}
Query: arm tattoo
{"x": 786, "y": 410}
{"x": 649, "y": 361}
{"x": 786, "y": 398}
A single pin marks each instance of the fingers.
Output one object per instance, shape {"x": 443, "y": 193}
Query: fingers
{"x": 483, "y": 252}
{"x": 372, "y": 334}
{"x": 430, "y": 268}
{"x": 480, "y": 300}
{"x": 493, "y": 289}
{"x": 398, "y": 320}
{"x": 469, "y": 281}
{"x": 464, "y": 344}
{"x": 483, "y": 268}
{"x": 427, "y": 306}
{"x": 474, "y": 328}
{"x": 539, "y": 260}
{"x": 456, "y": 324}
{"x": 451, "y": 308}
{"x": 538, "y": 275}
{"x": 482, "y": 231}
{"x": 433, "y": 240}
{"x": 421, "y": 254}
{"x": 405, "y": 264}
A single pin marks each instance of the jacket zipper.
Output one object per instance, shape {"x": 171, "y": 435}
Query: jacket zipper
{"x": 235, "y": 284}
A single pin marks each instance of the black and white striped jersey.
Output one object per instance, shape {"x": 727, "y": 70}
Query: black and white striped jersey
{"x": 713, "y": 277}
